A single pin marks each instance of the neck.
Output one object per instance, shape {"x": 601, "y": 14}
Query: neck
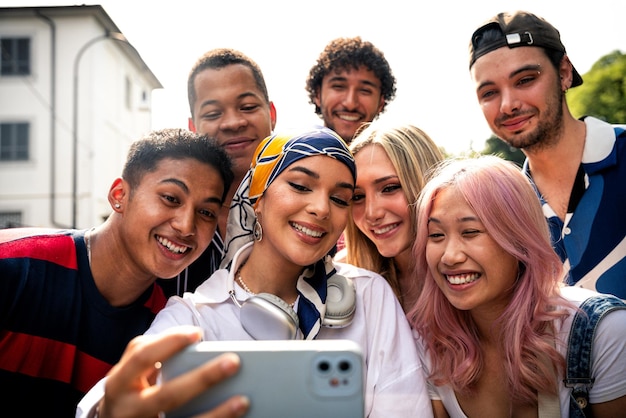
{"x": 116, "y": 276}
{"x": 567, "y": 149}
{"x": 264, "y": 274}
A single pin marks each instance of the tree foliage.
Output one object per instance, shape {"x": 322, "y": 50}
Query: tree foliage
{"x": 603, "y": 92}
{"x": 496, "y": 146}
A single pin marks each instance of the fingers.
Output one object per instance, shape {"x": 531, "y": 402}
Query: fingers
{"x": 145, "y": 351}
{"x": 236, "y": 406}
{"x": 188, "y": 385}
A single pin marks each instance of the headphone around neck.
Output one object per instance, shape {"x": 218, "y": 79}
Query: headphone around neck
{"x": 267, "y": 317}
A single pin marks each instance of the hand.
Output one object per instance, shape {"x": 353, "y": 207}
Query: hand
{"x": 130, "y": 389}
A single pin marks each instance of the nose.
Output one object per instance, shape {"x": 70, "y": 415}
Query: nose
{"x": 509, "y": 102}
{"x": 184, "y": 221}
{"x": 319, "y": 207}
{"x": 351, "y": 99}
{"x": 453, "y": 253}
{"x": 373, "y": 211}
{"x": 233, "y": 121}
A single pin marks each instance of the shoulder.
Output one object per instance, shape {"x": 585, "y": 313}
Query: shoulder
{"x": 362, "y": 278}
{"x": 47, "y": 245}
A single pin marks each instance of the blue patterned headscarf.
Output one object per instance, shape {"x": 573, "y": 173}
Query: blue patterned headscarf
{"x": 272, "y": 157}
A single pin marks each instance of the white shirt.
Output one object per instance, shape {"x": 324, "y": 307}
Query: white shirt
{"x": 395, "y": 384}
{"x": 608, "y": 354}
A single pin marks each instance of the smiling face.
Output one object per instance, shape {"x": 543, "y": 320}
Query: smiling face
{"x": 305, "y": 209}
{"x": 520, "y": 94}
{"x": 348, "y": 98}
{"x": 231, "y": 108}
{"x": 170, "y": 217}
{"x": 468, "y": 265}
{"x": 380, "y": 208}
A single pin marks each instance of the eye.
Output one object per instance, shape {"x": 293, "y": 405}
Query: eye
{"x": 526, "y": 80}
{"x": 471, "y": 232}
{"x": 249, "y": 107}
{"x": 341, "y": 201}
{"x": 487, "y": 94}
{"x": 358, "y": 198}
{"x": 211, "y": 115}
{"x": 435, "y": 236}
{"x": 390, "y": 188}
{"x": 299, "y": 187}
{"x": 208, "y": 213}
{"x": 170, "y": 199}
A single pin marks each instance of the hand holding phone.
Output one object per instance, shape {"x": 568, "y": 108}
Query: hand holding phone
{"x": 295, "y": 378}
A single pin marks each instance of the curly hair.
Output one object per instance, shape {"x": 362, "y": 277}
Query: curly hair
{"x": 348, "y": 54}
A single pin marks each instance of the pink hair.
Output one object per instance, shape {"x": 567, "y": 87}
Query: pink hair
{"x": 506, "y": 203}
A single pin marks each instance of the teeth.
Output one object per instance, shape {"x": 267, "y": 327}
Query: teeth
{"x": 463, "y": 278}
{"x": 307, "y": 231}
{"x": 171, "y": 246}
{"x": 349, "y": 118}
{"x": 385, "y": 229}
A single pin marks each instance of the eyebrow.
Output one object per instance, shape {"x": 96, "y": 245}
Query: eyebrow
{"x": 316, "y": 176}
{"x": 529, "y": 67}
{"x": 385, "y": 178}
{"x": 463, "y": 219}
{"x": 243, "y": 95}
{"x": 342, "y": 78}
{"x": 185, "y": 189}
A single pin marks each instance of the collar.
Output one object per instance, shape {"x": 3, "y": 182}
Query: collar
{"x": 217, "y": 287}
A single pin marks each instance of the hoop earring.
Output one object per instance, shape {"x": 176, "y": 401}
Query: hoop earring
{"x": 257, "y": 232}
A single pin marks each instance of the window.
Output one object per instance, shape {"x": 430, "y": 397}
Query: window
{"x": 10, "y": 219}
{"x": 14, "y": 141}
{"x": 15, "y": 56}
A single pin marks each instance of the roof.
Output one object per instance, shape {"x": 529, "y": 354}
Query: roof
{"x": 100, "y": 15}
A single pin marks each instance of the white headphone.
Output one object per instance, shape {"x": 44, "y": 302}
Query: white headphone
{"x": 267, "y": 317}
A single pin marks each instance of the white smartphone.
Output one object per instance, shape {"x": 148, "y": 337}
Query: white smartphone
{"x": 290, "y": 378}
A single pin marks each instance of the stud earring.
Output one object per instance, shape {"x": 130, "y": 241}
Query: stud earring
{"x": 117, "y": 206}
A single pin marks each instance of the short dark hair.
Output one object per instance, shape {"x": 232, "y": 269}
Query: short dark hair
{"x": 178, "y": 144}
{"x": 350, "y": 54}
{"x": 220, "y": 58}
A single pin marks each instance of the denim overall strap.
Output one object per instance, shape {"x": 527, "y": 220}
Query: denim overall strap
{"x": 578, "y": 372}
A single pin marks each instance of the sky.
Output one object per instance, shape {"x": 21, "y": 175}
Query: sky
{"x": 426, "y": 44}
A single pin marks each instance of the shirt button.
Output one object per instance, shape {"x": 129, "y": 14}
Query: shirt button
{"x": 567, "y": 231}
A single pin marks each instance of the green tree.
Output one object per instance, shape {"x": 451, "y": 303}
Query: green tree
{"x": 603, "y": 93}
{"x": 496, "y": 146}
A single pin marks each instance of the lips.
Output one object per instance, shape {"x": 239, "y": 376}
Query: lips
{"x": 385, "y": 229}
{"x": 307, "y": 231}
{"x": 465, "y": 278}
{"x": 174, "y": 248}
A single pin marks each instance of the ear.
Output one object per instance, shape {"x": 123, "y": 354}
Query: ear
{"x": 118, "y": 194}
{"x": 191, "y": 126}
{"x": 273, "y": 114}
{"x": 318, "y": 98}
{"x": 566, "y": 73}
{"x": 381, "y": 104}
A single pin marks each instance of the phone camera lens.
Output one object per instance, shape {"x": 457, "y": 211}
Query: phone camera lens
{"x": 323, "y": 366}
{"x": 344, "y": 366}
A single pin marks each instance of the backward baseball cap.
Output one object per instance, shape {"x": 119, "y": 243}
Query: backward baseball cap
{"x": 519, "y": 29}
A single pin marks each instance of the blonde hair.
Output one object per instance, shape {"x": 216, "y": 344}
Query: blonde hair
{"x": 411, "y": 152}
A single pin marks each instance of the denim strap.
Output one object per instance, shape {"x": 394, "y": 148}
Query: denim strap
{"x": 578, "y": 372}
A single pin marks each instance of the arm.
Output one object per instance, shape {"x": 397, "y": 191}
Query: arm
{"x": 130, "y": 389}
{"x": 438, "y": 409}
{"x": 614, "y": 408}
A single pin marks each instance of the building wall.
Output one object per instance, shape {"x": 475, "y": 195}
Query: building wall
{"x": 112, "y": 110}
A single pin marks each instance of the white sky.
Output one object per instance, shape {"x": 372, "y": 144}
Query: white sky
{"x": 424, "y": 42}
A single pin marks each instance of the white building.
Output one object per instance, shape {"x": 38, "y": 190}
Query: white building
{"x": 68, "y": 80}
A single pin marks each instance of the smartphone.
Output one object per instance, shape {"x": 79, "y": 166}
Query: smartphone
{"x": 283, "y": 378}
